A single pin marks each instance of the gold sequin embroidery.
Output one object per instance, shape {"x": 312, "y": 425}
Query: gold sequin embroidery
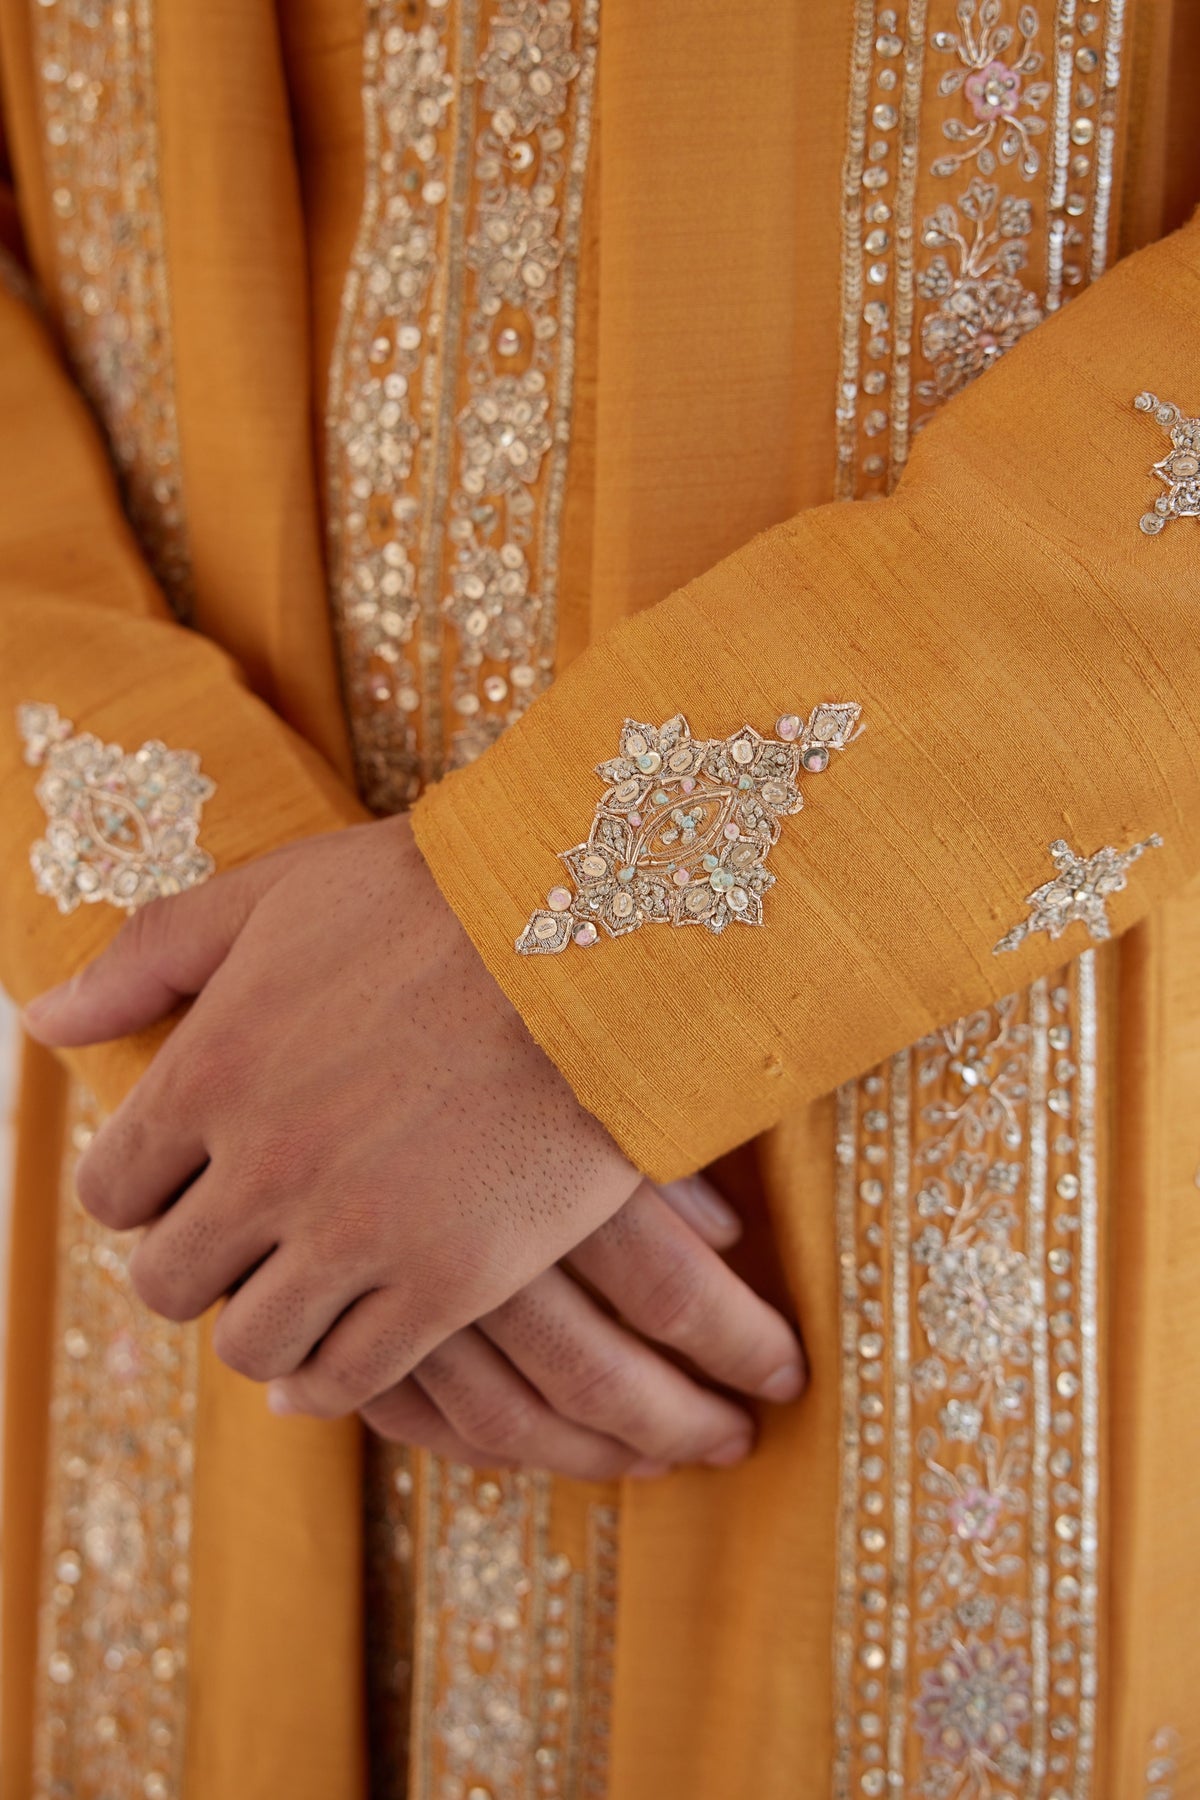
{"x": 1021, "y": 102}
{"x": 1179, "y": 470}
{"x": 450, "y": 392}
{"x": 968, "y": 1227}
{"x": 121, "y": 828}
{"x": 1080, "y": 892}
{"x": 685, "y": 827}
{"x": 100, "y": 109}
{"x": 112, "y": 1659}
{"x": 514, "y": 1650}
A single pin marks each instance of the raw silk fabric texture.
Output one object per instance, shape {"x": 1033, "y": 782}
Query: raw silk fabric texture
{"x": 766, "y": 246}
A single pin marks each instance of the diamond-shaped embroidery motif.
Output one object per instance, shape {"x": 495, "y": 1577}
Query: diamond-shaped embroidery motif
{"x": 1080, "y": 890}
{"x": 1179, "y": 470}
{"x": 121, "y": 827}
{"x": 682, "y": 834}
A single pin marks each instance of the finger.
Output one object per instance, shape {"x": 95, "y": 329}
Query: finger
{"x": 138, "y": 1161}
{"x": 371, "y": 1348}
{"x": 277, "y": 1319}
{"x": 697, "y": 1201}
{"x": 405, "y": 1415}
{"x": 674, "y": 1289}
{"x": 164, "y": 953}
{"x": 203, "y": 1246}
{"x": 594, "y": 1371}
{"x": 487, "y": 1402}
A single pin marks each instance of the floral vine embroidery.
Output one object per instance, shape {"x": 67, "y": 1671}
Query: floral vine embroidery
{"x": 122, "y": 828}
{"x": 683, "y": 832}
{"x": 1179, "y": 470}
{"x": 1001, "y": 99}
{"x": 981, "y": 308}
{"x": 1080, "y": 890}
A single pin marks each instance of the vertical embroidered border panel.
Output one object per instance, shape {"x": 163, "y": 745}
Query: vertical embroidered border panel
{"x": 977, "y": 197}
{"x": 515, "y": 1642}
{"x": 97, "y": 69}
{"x": 968, "y": 1225}
{"x": 978, "y": 181}
{"x": 449, "y": 409}
{"x": 112, "y": 1700}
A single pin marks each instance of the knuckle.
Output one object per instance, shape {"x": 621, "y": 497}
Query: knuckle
{"x": 502, "y": 1424}
{"x": 352, "y": 1373}
{"x": 606, "y": 1395}
{"x": 678, "y": 1306}
{"x": 239, "y": 1348}
{"x": 95, "y": 1191}
{"x": 159, "y": 1287}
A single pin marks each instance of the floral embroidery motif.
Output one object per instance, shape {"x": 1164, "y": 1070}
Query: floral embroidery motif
{"x": 683, "y": 832}
{"x": 981, "y": 308}
{"x": 1040, "y": 153}
{"x": 968, "y": 1236}
{"x": 1080, "y": 891}
{"x": 122, "y": 828}
{"x": 514, "y": 1657}
{"x": 98, "y": 67}
{"x": 1001, "y": 99}
{"x": 450, "y": 392}
{"x": 113, "y": 1641}
{"x": 1179, "y": 470}
{"x": 1163, "y": 1765}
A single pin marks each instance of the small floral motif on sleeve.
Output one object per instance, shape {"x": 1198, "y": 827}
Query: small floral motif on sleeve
{"x": 683, "y": 832}
{"x": 1179, "y": 470}
{"x": 1080, "y": 891}
{"x": 122, "y": 827}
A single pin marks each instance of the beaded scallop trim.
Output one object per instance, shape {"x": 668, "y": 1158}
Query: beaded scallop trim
{"x": 683, "y": 832}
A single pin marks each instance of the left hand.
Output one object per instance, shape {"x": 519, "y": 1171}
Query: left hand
{"x": 351, "y": 1129}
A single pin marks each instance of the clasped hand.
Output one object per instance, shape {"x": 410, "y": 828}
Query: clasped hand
{"x": 352, "y": 1138}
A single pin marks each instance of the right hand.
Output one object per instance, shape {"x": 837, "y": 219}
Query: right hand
{"x": 551, "y": 1380}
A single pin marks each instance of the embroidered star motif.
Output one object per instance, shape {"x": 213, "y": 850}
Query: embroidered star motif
{"x": 1179, "y": 471}
{"x": 1080, "y": 890}
{"x": 120, "y": 828}
{"x": 683, "y": 832}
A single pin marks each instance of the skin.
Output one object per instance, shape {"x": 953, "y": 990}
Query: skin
{"x": 352, "y": 1138}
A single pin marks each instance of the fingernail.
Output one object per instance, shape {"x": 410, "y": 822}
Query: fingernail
{"x": 787, "y": 1383}
{"x": 706, "y": 1201}
{"x": 732, "y": 1452}
{"x": 278, "y": 1400}
{"x": 647, "y": 1469}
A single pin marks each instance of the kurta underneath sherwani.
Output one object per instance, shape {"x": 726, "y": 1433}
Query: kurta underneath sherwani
{"x": 735, "y": 472}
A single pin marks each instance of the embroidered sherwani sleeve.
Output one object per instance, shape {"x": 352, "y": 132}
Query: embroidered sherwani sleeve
{"x": 1027, "y": 660}
{"x": 89, "y": 648}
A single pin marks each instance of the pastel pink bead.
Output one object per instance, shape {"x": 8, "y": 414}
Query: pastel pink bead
{"x": 558, "y": 899}
{"x": 587, "y": 934}
{"x": 635, "y": 819}
{"x": 688, "y": 784}
{"x": 788, "y": 727}
{"x": 681, "y": 878}
{"x": 731, "y": 831}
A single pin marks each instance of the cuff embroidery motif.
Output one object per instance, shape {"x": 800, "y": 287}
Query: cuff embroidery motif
{"x": 1080, "y": 890}
{"x": 122, "y": 828}
{"x": 682, "y": 834}
{"x": 1179, "y": 471}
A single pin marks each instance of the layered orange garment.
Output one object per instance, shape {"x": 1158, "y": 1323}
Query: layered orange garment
{"x": 365, "y": 365}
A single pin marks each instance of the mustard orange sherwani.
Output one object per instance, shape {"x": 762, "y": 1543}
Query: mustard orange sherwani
{"x": 362, "y": 368}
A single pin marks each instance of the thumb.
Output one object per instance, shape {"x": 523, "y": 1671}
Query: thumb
{"x": 164, "y": 953}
